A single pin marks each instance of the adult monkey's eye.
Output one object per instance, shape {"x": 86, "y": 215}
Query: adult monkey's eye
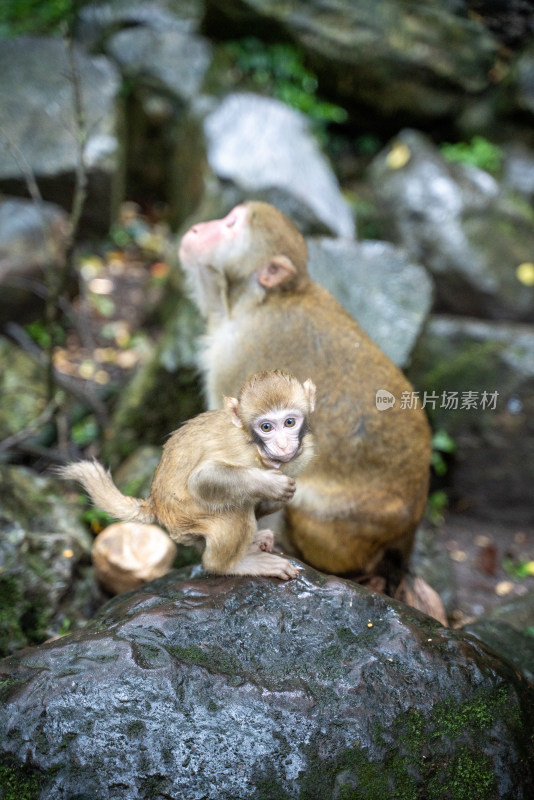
{"x": 290, "y": 422}
{"x": 266, "y": 427}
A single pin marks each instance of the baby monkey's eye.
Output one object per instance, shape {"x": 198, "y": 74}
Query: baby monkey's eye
{"x": 290, "y": 422}
{"x": 266, "y": 427}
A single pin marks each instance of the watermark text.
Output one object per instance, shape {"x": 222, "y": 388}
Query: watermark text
{"x": 450, "y": 401}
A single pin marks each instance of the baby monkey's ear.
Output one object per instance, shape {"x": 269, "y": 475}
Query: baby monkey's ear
{"x": 309, "y": 388}
{"x": 231, "y": 404}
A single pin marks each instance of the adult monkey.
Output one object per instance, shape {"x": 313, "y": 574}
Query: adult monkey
{"x": 362, "y": 497}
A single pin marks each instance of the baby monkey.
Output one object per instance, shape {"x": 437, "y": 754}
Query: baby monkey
{"x": 220, "y": 471}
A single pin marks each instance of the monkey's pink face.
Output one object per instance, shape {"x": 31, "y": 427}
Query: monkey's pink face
{"x": 279, "y": 434}
{"x": 218, "y": 242}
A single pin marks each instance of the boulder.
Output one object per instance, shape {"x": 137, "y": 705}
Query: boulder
{"x": 38, "y": 123}
{"x": 46, "y": 580}
{"x": 166, "y": 60}
{"x": 227, "y": 688}
{"x": 96, "y": 22}
{"x": 518, "y": 170}
{"x": 509, "y": 630}
{"x": 510, "y": 21}
{"x": 479, "y": 381}
{"x": 456, "y": 220}
{"x": 33, "y": 239}
{"x": 399, "y": 61}
{"x": 375, "y": 282}
{"x": 265, "y": 150}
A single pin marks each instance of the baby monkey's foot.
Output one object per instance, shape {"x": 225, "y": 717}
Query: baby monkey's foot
{"x": 263, "y": 540}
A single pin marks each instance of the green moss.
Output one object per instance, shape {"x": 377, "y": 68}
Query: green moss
{"x": 269, "y": 787}
{"x": 477, "y": 714}
{"x": 23, "y": 618}
{"x": 474, "y": 365}
{"x": 466, "y": 776}
{"x": 436, "y": 755}
{"x": 275, "y": 69}
{"x": 7, "y": 687}
{"x": 19, "y": 781}
{"x": 214, "y": 659}
{"x": 148, "y": 656}
{"x": 347, "y": 637}
{"x": 136, "y": 728}
{"x": 457, "y": 367}
{"x": 67, "y": 740}
{"x": 479, "y": 152}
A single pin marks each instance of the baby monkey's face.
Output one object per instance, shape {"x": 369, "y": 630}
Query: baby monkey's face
{"x": 279, "y": 433}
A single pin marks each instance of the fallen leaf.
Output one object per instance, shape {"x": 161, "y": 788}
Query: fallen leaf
{"x": 398, "y": 156}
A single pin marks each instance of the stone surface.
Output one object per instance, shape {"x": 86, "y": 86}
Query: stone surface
{"x": 227, "y": 688}
{"x": 402, "y": 61}
{"x": 38, "y": 122}
{"x": 96, "y": 22}
{"x": 32, "y": 241}
{"x": 455, "y": 220}
{"x": 267, "y": 150}
{"x": 509, "y": 630}
{"x": 166, "y": 60}
{"x": 389, "y": 296}
{"x": 491, "y": 472}
{"x": 46, "y": 581}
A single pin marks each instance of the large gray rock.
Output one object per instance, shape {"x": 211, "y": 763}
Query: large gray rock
{"x": 232, "y": 689}
{"x": 518, "y": 170}
{"x": 169, "y": 60}
{"x": 455, "y": 220}
{"x": 492, "y": 471}
{"x": 266, "y": 150}
{"x": 33, "y": 239}
{"x": 420, "y": 61}
{"x": 509, "y": 630}
{"x": 96, "y": 22}
{"x": 375, "y": 282}
{"x": 38, "y": 122}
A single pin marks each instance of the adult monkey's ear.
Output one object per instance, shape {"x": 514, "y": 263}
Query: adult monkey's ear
{"x": 279, "y": 270}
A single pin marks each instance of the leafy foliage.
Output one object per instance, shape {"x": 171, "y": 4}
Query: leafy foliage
{"x": 40, "y": 332}
{"x": 277, "y": 69}
{"x": 442, "y": 443}
{"x": 479, "y": 152}
{"x": 36, "y": 16}
{"x": 519, "y": 568}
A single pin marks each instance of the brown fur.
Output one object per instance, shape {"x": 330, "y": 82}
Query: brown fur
{"x": 365, "y": 491}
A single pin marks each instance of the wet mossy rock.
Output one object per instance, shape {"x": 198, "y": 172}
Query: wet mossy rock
{"x": 230, "y": 688}
{"x": 46, "y": 583}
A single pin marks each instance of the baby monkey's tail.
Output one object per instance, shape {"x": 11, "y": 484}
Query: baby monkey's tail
{"x": 99, "y": 485}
